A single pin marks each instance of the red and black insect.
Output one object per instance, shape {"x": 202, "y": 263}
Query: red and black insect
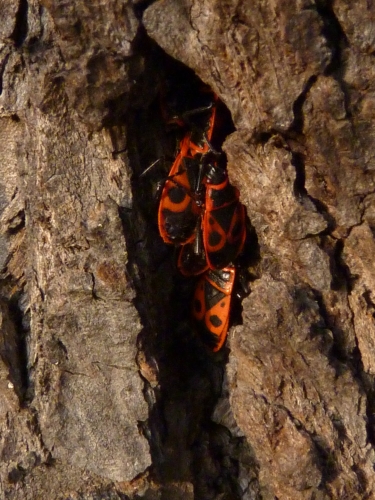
{"x": 221, "y": 232}
{"x": 178, "y": 208}
{"x": 224, "y": 220}
{"x": 211, "y": 305}
{"x": 182, "y": 197}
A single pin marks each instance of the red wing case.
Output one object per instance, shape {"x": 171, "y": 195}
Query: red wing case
{"x": 224, "y": 222}
{"x": 211, "y": 305}
{"x": 178, "y": 209}
{"x": 180, "y": 204}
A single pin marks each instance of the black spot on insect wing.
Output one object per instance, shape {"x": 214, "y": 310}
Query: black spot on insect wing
{"x": 177, "y": 194}
{"x": 214, "y": 239}
{"x": 215, "y": 321}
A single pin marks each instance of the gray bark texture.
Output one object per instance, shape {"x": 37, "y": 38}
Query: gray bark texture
{"x": 104, "y": 391}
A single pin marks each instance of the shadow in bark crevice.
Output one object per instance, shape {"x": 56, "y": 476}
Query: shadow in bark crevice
{"x": 21, "y": 27}
{"x": 296, "y": 127}
{"x": 15, "y": 350}
{"x": 334, "y": 35}
{"x": 301, "y": 193}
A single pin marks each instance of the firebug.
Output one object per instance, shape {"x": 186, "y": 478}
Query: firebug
{"x": 224, "y": 220}
{"x": 221, "y": 230}
{"x": 211, "y": 305}
{"x": 182, "y": 197}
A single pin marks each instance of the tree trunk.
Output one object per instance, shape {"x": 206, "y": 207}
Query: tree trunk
{"x": 105, "y": 390}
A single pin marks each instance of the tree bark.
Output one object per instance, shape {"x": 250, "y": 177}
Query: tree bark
{"x": 105, "y": 392}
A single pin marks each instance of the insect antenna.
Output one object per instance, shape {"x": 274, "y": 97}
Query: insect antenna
{"x": 151, "y": 166}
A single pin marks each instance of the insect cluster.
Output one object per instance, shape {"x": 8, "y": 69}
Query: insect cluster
{"x": 200, "y": 212}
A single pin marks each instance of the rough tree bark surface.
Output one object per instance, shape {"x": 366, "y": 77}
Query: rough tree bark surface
{"x": 104, "y": 392}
